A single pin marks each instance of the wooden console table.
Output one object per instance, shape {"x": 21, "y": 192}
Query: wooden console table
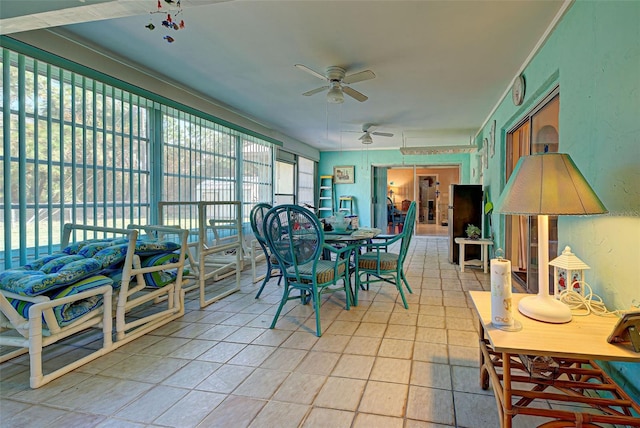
{"x": 572, "y": 378}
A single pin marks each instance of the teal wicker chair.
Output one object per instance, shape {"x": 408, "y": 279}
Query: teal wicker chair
{"x": 294, "y": 235}
{"x": 378, "y": 265}
{"x": 257, "y": 220}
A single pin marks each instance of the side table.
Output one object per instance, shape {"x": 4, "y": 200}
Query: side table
{"x": 484, "y": 244}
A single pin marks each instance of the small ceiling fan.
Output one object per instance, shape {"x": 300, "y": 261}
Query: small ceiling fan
{"x": 338, "y": 82}
{"x": 368, "y": 131}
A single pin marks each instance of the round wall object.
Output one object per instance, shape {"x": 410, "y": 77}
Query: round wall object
{"x": 517, "y": 90}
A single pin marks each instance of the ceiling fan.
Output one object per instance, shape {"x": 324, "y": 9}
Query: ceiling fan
{"x": 337, "y": 80}
{"x": 368, "y": 131}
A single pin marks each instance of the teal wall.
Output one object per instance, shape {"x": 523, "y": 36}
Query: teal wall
{"x": 362, "y": 160}
{"x": 594, "y": 57}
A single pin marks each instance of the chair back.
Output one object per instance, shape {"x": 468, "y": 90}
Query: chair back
{"x": 407, "y": 231}
{"x": 257, "y": 221}
{"x": 294, "y": 235}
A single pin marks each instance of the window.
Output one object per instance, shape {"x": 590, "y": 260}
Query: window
{"x": 306, "y": 181}
{"x": 78, "y": 149}
{"x": 537, "y": 132}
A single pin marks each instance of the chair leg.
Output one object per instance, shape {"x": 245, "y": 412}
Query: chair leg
{"x": 399, "y": 279}
{"x": 267, "y": 277}
{"x": 285, "y": 299}
{"x": 406, "y": 283}
{"x": 316, "y": 308}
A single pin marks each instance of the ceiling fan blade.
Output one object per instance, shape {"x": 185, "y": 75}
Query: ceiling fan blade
{"x": 359, "y": 77}
{"x": 315, "y": 91}
{"x": 383, "y": 134}
{"x": 310, "y": 71}
{"x": 354, "y": 94}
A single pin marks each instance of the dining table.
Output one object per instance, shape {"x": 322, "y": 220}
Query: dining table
{"x": 356, "y": 239}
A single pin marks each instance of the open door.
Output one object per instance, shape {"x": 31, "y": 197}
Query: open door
{"x": 379, "y": 198}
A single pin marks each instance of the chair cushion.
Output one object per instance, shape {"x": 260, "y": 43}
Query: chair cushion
{"x": 388, "y": 261}
{"x": 160, "y": 278}
{"x": 324, "y": 270}
{"x": 69, "y": 312}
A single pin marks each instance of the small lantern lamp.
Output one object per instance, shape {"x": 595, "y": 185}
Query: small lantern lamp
{"x": 568, "y": 272}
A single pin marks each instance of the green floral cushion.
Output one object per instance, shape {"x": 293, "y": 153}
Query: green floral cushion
{"x": 77, "y": 246}
{"x": 69, "y": 312}
{"x": 37, "y": 282}
{"x": 112, "y": 255}
{"x": 160, "y": 278}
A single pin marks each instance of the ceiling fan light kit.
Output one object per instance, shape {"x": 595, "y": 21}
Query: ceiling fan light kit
{"x": 335, "y": 95}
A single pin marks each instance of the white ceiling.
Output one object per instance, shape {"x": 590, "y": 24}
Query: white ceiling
{"x": 441, "y": 66}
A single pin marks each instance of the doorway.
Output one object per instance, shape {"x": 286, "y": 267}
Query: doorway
{"x": 428, "y": 192}
{"x": 426, "y": 184}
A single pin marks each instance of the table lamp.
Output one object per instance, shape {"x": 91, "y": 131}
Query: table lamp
{"x": 543, "y": 185}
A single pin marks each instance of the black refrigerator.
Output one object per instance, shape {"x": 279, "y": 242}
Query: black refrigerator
{"x": 465, "y": 207}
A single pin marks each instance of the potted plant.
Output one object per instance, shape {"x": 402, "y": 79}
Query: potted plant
{"x": 473, "y": 232}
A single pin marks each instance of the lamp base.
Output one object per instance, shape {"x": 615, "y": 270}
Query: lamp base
{"x": 545, "y": 308}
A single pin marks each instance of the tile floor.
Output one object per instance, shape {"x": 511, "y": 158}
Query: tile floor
{"x": 377, "y": 365}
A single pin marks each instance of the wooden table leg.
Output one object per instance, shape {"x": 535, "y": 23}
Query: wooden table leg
{"x": 506, "y": 387}
{"x": 484, "y": 257}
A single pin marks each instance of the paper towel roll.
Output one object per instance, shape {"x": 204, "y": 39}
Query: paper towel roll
{"x": 501, "y": 308}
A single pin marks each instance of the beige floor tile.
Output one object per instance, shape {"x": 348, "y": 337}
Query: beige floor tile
{"x": 328, "y": 418}
{"x": 320, "y": 363}
{"x": 235, "y": 411}
{"x": 34, "y": 416}
{"x": 354, "y": 366}
{"x": 262, "y": 383}
{"x": 464, "y": 324}
{"x": 281, "y": 415}
{"x": 458, "y": 312}
{"x": 218, "y": 332}
{"x": 467, "y": 379}
{"x": 191, "y": 374}
{"x": 340, "y": 393}
{"x": 89, "y": 396}
{"x": 152, "y": 404}
{"x": 244, "y": 335}
{"x": 470, "y": 411}
{"x": 284, "y": 359}
{"x": 222, "y": 352}
{"x": 300, "y": 340}
{"x": 391, "y": 370}
{"x": 431, "y": 375}
{"x": 463, "y": 338}
{"x": 331, "y": 343}
{"x": 363, "y": 345}
{"x": 383, "y": 398}
{"x": 431, "y": 321}
{"x": 403, "y": 318}
{"x": 464, "y": 356}
{"x": 272, "y": 337}
{"x": 300, "y": 388}
{"x": 225, "y": 379}
{"x": 366, "y": 420}
{"x": 192, "y": 349}
{"x": 430, "y": 404}
{"x": 431, "y": 335}
{"x": 376, "y": 316}
{"x": 252, "y": 355}
{"x": 341, "y": 328}
{"x": 394, "y": 348}
{"x": 400, "y": 331}
{"x": 371, "y": 329}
